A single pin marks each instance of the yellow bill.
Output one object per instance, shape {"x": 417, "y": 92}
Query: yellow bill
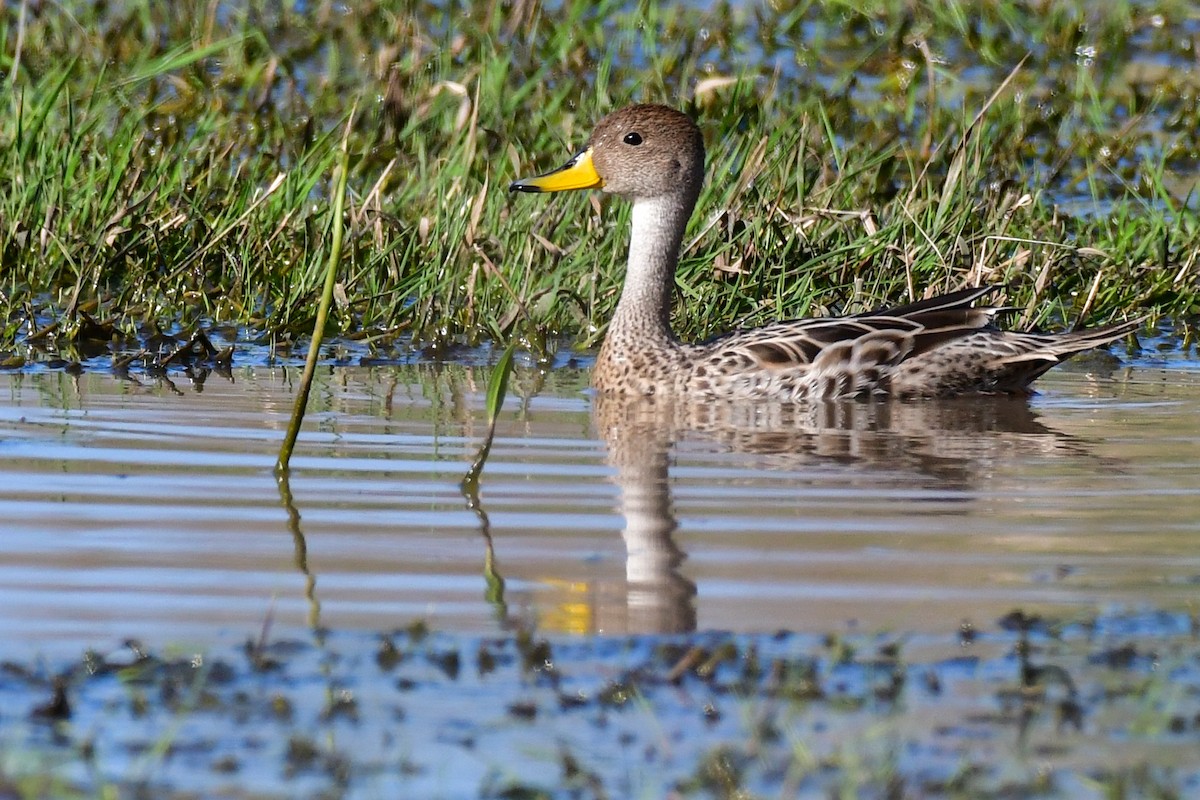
{"x": 578, "y": 173}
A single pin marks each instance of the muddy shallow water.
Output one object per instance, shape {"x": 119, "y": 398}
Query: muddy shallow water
{"x": 148, "y": 507}
{"x": 178, "y": 624}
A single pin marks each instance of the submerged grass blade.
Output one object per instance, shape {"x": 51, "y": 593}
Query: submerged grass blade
{"x": 314, "y": 347}
{"x": 497, "y": 389}
{"x": 300, "y": 550}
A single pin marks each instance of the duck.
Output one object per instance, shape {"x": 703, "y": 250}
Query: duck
{"x": 948, "y": 345}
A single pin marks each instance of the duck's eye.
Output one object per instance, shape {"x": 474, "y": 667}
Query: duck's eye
{"x": 633, "y": 137}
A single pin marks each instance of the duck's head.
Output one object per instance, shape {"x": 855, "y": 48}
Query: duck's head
{"x": 638, "y": 152}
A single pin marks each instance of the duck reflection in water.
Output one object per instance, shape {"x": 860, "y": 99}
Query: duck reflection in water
{"x": 950, "y": 444}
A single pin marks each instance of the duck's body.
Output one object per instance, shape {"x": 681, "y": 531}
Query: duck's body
{"x": 942, "y": 346}
{"x": 654, "y": 156}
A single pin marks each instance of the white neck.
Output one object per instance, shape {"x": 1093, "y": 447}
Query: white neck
{"x": 644, "y": 309}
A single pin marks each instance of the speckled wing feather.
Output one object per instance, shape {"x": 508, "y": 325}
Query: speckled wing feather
{"x": 911, "y": 328}
{"x": 941, "y": 345}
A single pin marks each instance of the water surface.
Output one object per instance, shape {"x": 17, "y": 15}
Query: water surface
{"x": 147, "y": 507}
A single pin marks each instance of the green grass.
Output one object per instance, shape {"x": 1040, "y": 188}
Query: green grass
{"x": 171, "y": 165}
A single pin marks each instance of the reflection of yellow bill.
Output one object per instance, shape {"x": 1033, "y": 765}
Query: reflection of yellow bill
{"x": 578, "y": 173}
{"x": 568, "y": 615}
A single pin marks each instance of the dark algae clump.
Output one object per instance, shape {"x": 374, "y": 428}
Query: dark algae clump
{"x": 1029, "y": 708}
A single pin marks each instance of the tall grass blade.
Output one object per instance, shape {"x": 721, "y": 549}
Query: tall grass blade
{"x": 28, "y": 134}
{"x": 497, "y": 389}
{"x": 179, "y": 57}
{"x": 314, "y": 348}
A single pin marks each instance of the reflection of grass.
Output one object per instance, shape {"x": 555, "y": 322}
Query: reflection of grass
{"x": 166, "y": 162}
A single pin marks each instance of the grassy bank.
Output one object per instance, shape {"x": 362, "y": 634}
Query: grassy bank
{"x": 165, "y": 165}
